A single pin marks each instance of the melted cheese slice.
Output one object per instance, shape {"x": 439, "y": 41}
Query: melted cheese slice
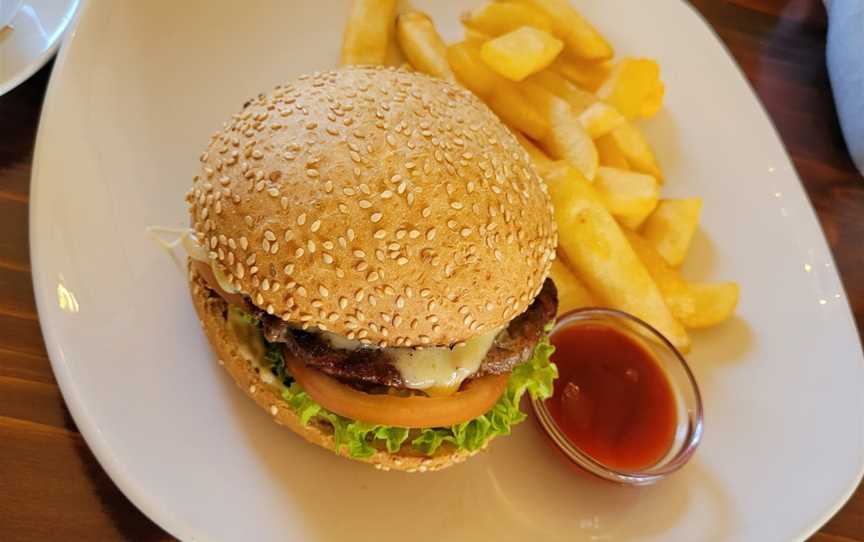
{"x": 440, "y": 371}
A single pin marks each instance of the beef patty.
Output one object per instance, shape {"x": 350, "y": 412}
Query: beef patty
{"x": 373, "y": 366}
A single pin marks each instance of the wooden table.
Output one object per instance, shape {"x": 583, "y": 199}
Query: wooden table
{"x": 51, "y": 486}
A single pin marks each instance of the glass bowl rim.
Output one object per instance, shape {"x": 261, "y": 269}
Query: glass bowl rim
{"x": 694, "y": 419}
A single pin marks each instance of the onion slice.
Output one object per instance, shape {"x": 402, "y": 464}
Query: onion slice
{"x": 206, "y": 273}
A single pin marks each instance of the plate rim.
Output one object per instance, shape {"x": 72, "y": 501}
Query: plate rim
{"x": 147, "y": 503}
{"x": 66, "y": 28}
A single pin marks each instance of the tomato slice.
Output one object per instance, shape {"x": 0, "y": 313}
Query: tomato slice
{"x": 475, "y": 398}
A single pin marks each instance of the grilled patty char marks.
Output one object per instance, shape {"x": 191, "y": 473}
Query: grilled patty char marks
{"x": 372, "y": 366}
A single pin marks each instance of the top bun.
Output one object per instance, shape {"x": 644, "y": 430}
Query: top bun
{"x": 382, "y": 205}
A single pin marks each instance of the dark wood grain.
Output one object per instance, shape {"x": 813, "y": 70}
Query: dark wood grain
{"x": 51, "y": 486}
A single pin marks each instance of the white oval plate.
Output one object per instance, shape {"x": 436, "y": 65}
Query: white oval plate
{"x": 32, "y": 38}
{"x": 134, "y": 97}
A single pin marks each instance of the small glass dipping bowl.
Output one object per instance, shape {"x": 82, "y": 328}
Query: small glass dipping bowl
{"x": 688, "y": 403}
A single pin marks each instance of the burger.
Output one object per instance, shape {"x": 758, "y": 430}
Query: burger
{"x": 370, "y": 260}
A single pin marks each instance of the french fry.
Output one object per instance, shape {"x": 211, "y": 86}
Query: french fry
{"x": 422, "y": 44}
{"x": 628, "y": 195}
{"x": 671, "y": 226}
{"x": 694, "y": 304}
{"x": 473, "y": 36}
{"x": 588, "y": 75}
{"x": 572, "y": 294}
{"x": 603, "y": 258}
{"x": 581, "y": 39}
{"x": 555, "y": 83}
{"x": 541, "y": 161}
{"x": 706, "y": 304}
{"x": 496, "y": 18}
{"x": 565, "y": 139}
{"x": 639, "y": 155}
{"x": 370, "y": 23}
{"x": 634, "y": 88}
{"x": 394, "y": 57}
{"x": 610, "y": 153}
{"x": 600, "y": 119}
{"x": 500, "y": 94}
{"x": 464, "y": 59}
{"x": 510, "y": 106}
{"x": 519, "y": 53}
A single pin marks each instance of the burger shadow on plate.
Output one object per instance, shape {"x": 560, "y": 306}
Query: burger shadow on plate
{"x": 517, "y": 488}
{"x": 549, "y": 488}
{"x": 337, "y": 499}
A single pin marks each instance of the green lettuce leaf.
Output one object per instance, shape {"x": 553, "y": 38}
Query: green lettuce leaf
{"x": 535, "y": 376}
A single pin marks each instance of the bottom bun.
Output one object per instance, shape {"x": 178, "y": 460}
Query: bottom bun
{"x": 265, "y": 391}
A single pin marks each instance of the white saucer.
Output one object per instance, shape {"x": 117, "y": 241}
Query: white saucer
{"x": 32, "y": 38}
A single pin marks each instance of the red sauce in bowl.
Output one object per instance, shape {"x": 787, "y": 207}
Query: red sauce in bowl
{"x": 612, "y": 399}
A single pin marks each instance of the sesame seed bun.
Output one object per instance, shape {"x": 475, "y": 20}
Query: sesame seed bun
{"x": 379, "y": 204}
{"x": 211, "y": 311}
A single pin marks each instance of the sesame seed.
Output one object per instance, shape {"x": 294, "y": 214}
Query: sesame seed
{"x": 376, "y": 217}
{"x": 315, "y": 226}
